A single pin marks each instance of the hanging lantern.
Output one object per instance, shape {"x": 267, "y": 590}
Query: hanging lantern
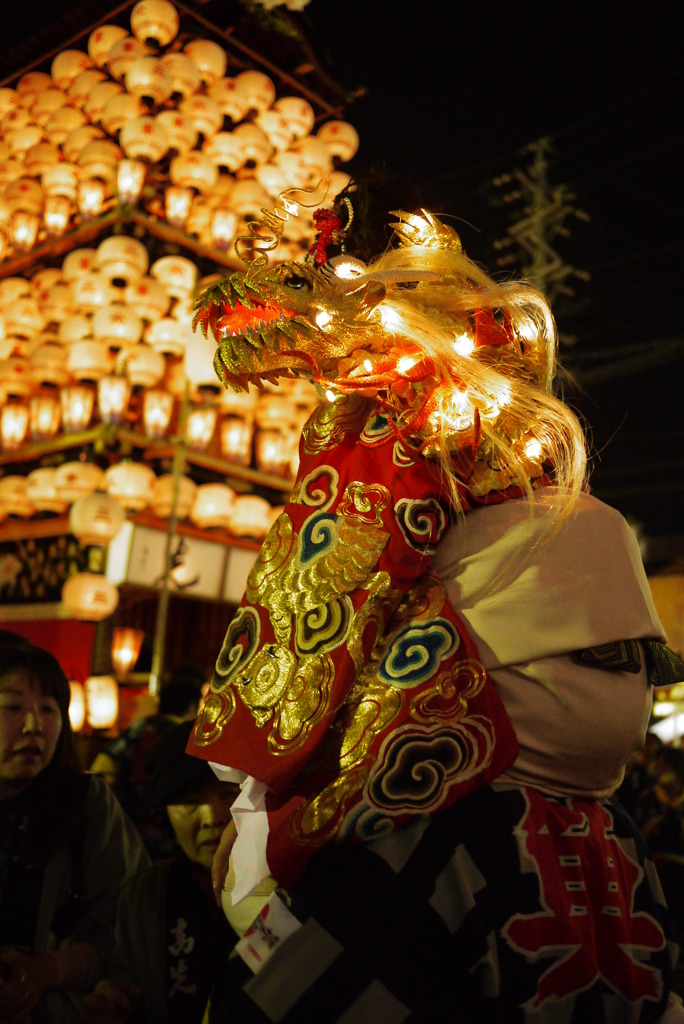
{"x": 200, "y": 426}
{"x": 167, "y": 336}
{"x": 130, "y": 178}
{"x": 162, "y": 496}
{"x": 273, "y": 450}
{"x": 24, "y": 230}
{"x": 101, "y": 40}
{"x": 209, "y": 58}
{"x": 44, "y": 416}
{"x": 41, "y": 491}
{"x": 155, "y": 21}
{"x": 113, "y": 393}
{"x": 122, "y": 260}
{"x": 144, "y": 367}
{"x": 258, "y": 88}
{"x": 236, "y": 440}
{"x": 213, "y": 506}
{"x": 223, "y": 228}
{"x": 77, "y": 401}
{"x": 157, "y": 411}
{"x": 150, "y": 79}
{"x": 184, "y": 72}
{"x": 126, "y": 645}
{"x": 61, "y": 180}
{"x": 102, "y": 701}
{"x": 96, "y": 519}
{"x": 66, "y": 65}
{"x": 77, "y": 705}
{"x": 89, "y": 596}
{"x": 251, "y": 516}
{"x": 56, "y": 215}
{"x": 88, "y": 360}
{"x": 131, "y": 483}
{"x": 13, "y": 497}
{"x": 176, "y": 274}
{"x": 341, "y": 139}
{"x": 177, "y": 201}
{"x": 91, "y": 197}
{"x": 14, "y": 420}
{"x": 74, "y": 480}
{"x": 144, "y": 138}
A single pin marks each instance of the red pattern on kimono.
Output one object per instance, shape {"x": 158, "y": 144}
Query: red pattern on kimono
{"x": 346, "y": 682}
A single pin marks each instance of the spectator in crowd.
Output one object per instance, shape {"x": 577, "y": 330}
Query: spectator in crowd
{"x": 120, "y": 762}
{"x": 640, "y": 773}
{"x": 66, "y": 848}
{"x": 171, "y": 939}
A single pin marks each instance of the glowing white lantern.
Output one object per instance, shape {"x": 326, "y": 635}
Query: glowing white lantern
{"x": 184, "y": 73}
{"x": 213, "y": 506}
{"x": 181, "y": 136}
{"x": 209, "y": 58}
{"x": 96, "y": 519}
{"x": 121, "y": 259}
{"x": 77, "y": 705}
{"x": 162, "y": 496}
{"x": 13, "y": 497}
{"x": 131, "y": 483}
{"x": 150, "y": 79}
{"x": 155, "y": 21}
{"x": 121, "y": 55}
{"x": 231, "y": 98}
{"x": 258, "y": 88}
{"x": 102, "y": 701}
{"x": 101, "y": 40}
{"x": 41, "y": 491}
{"x": 144, "y": 138}
{"x": 67, "y": 65}
{"x": 90, "y": 596}
{"x": 341, "y": 139}
{"x": 251, "y": 516}
{"x": 74, "y": 480}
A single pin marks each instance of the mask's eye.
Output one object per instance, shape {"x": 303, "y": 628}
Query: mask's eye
{"x": 295, "y": 283}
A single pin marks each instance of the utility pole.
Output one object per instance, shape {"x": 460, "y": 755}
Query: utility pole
{"x": 542, "y": 219}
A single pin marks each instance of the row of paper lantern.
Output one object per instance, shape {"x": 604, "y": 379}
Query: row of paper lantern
{"x": 99, "y": 500}
{"x": 63, "y": 136}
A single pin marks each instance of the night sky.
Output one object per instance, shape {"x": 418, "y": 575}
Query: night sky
{"x": 454, "y": 104}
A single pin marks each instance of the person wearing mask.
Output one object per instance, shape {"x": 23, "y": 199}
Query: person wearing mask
{"x": 171, "y": 939}
{"x": 66, "y": 848}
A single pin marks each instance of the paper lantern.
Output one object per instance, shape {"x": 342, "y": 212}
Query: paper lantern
{"x": 209, "y": 58}
{"x": 77, "y": 705}
{"x": 126, "y": 645}
{"x": 150, "y": 79}
{"x": 213, "y": 506}
{"x": 67, "y": 65}
{"x": 121, "y": 259}
{"x": 101, "y": 40}
{"x": 41, "y": 491}
{"x": 144, "y": 138}
{"x": 184, "y": 72}
{"x": 44, "y": 416}
{"x": 236, "y": 439}
{"x": 200, "y": 426}
{"x": 130, "y": 178}
{"x": 13, "y": 497}
{"x": 74, "y": 480}
{"x": 341, "y": 139}
{"x": 258, "y": 88}
{"x": 155, "y": 21}
{"x": 231, "y": 98}
{"x": 162, "y": 496}
{"x": 56, "y": 215}
{"x": 102, "y": 701}
{"x": 96, "y": 519}
{"x": 14, "y": 421}
{"x": 113, "y": 393}
{"x": 122, "y": 54}
{"x": 144, "y": 366}
{"x": 76, "y": 402}
{"x": 180, "y": 134}
{"x": 251, "y": 516}
{"x": 88, "y": 360}
{"x": 157, "y": 411}
{"x": 89, "y": 596}
{"x": 131, "y": 483}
